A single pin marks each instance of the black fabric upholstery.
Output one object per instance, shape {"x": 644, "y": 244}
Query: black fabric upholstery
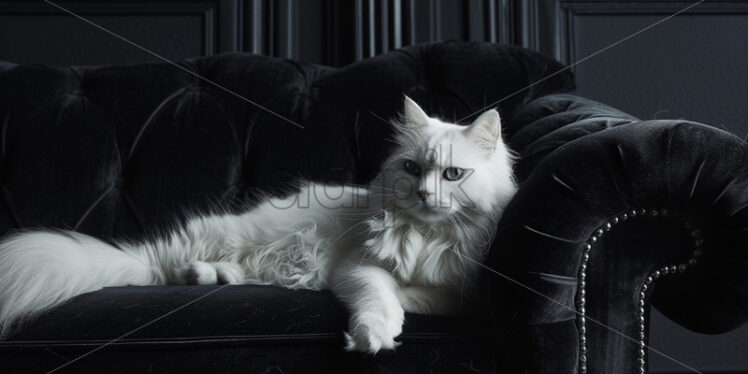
{"x": 123, "y": 151}
{"x": 262, "y": 328}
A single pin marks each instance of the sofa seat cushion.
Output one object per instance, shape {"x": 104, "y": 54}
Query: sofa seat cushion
{"x": 239, "y": 313}
{"x": 234, "y": 327}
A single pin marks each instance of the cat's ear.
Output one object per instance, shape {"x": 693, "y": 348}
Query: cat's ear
{"x": 485, "y": 131}
{"x": 413, "y": 116}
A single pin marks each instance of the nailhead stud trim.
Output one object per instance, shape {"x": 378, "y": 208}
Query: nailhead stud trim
{"x": 645, "y": 288}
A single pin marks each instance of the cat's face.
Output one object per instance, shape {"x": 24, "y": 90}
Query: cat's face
{"x": 440, "y": 170}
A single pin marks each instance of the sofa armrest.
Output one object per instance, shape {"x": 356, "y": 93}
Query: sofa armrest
{"x": 602, "y": 221}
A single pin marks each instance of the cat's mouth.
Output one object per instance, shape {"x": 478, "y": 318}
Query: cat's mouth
{"x": 427, "y": 213}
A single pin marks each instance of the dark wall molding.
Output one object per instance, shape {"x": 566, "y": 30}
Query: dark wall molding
{"x": 219, "y": 28}
{"x": 567, "y": 12}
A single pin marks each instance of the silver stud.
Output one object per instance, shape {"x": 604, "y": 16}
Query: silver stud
{"x": 673, "y": 269}
{"x": 624, "y": 217}
{"x": 643, "y": 211}
{"x": 634, "y": 212}
{"x": 682, "y": 268}
{"x": 665, "y": 270}
{"x": 608, "y": 226}
{"x": 649, "y": 279}
{"x": 644, "y": 287}
{"x": 593, "y": 238}
{"x": 599, "y": 232}
{"x": 657, "y": 274}
{"x": 615, "y": 220}
{"x": 588, "y": 246}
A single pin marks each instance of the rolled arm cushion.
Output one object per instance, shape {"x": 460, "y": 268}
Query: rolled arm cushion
{"x": 613, "y": 215}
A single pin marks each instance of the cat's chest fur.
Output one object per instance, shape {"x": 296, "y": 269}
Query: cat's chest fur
{"x": 414, "y": 253}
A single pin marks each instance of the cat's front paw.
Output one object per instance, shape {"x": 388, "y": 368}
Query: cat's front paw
{"x": 371, "y": 333}
{"x": 198, "y": 272}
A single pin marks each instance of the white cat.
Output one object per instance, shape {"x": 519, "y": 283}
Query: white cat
{"x": 407, "y": 242}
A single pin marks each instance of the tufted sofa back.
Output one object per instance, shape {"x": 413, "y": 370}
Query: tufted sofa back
{"x": 118, "y": 151}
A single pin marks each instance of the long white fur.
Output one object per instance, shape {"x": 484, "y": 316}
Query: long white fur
{"x": 380, "y": 249}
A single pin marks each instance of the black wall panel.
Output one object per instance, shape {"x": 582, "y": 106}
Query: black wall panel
{"x": 36, "y": 32}
{"x": 691, "y": 66}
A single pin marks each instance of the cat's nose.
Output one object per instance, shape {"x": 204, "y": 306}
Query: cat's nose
{"x": 423, "y": 195}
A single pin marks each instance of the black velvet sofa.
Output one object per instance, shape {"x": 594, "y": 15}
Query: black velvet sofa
{"x": 613, "y": 215}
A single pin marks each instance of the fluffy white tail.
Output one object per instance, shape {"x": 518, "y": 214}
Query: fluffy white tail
{"x": 40, "y": 270}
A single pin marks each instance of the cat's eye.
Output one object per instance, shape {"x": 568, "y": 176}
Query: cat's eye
{"x": 412, "y": 168}
{"x": 453, "y": 174}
